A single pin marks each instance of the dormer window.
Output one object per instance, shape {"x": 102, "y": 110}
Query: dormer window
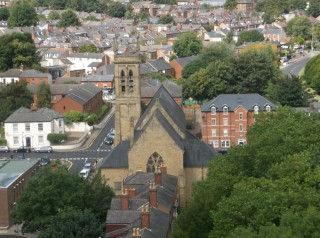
{"x": 256, "y": 109}
{"x": 213, "y": 110}
{"x": 225, "y": 110}
{"x": 268, "y": 108}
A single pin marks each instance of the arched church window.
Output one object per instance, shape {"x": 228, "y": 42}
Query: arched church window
{"x": 123, "y": 81}
{"x": 154, "y": 161}
{"x": 130, "y": 81}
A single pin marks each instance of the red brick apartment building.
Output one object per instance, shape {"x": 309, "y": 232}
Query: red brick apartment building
{"x": 226, "y": 118}
{"x": 14, "y": 174}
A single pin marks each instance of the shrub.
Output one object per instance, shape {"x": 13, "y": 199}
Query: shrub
{"x": 57, "y": 138}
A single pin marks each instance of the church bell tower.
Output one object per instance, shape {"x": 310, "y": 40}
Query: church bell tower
{"x": 128, "y": 99}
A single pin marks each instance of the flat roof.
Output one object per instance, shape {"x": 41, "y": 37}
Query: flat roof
{"x": 11, "y": 169}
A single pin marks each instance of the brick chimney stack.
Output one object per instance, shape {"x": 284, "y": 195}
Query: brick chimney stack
{"x": 132, "y": 192}
{"x": 163, "y": 168}
{"x": 136, "y": 233}
{"x": 157, "y": 176}
{"x": 153, "y": 195}
{"x": 124, "y": 200}
{"x": 145, "y": 217}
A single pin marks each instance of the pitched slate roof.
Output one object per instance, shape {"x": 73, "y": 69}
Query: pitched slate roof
{"x": 23, "y": 115}
{"x": 159, "y": 64}
{"x": 185, "y": 60}
{"x": 118, "y": 158}
{"x": 233, "y": 101}
{"x": 31, "y": 73}
{"x": 55, "y": 89}
{"x": 11, "y": 73}
{"x": 97, "y": 78}
{"x": 84, "y": 93}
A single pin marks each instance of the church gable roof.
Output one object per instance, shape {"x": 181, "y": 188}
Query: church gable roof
{"x": 163, "y": 97}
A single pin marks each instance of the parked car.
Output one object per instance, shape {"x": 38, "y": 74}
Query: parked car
{"x": 84, "y": 174}
{"x": 44, "y": 149}
{"x": 23, "y": 149}
{"x": 112, "y": 133}
{"x": 4, "y": 148}
{"x": 44, "y": 160}
{"x": 108, "y": 140}
{"x": 87, "y": 167}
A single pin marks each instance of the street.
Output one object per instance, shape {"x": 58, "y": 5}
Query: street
{"x": 97, "y": 150}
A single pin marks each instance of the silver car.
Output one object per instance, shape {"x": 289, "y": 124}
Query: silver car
{"x": 4, "y": 148}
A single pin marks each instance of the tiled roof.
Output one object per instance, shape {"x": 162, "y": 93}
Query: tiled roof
{"x": 185, "y": 60}
{"x": 23, "y": 115}
{"x": 84, "y": 93}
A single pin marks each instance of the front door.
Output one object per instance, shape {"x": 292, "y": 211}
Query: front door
{"x": 28, "y": 141}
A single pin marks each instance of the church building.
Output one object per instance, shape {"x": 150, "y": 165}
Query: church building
{"x": 146, "y": 140}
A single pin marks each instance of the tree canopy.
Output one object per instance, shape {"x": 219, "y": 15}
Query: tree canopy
{"x": 268, "y": 188}
{"x": 22, "y": 13}
{"x": 4, "y": 13}
{"x": 54, "y": 15}
{"x": 250, "y": 36}
{"x": 43, "y": 96}
{"x": 314, "y": 8}
{"x": 299, "y": 27}
{"x": 16, "y": 49}
{"x": 230, "y": 4}
{"x": 187, "y": 44}
{"x": 166, "y": 19}
{"x": 12, "y": 97}
{"x": 116, "y": 9}
{"x": 48, "y": 198}
{"x": 69, "y": 18}
{"x": 312, "y": 73}
{"x": 91, "y": 48}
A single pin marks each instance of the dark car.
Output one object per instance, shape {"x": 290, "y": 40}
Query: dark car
{"x": 23, "y": 149}
{"x": 108, "y": 140}
{"x": 44, "y": 149}
{"x": 44, "y": 160}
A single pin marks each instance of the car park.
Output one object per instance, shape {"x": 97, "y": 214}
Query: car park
{"x": 4, "y": 148}
{"x": 84, "y": 174}
{"x": 44, "y": 160}
{"x": 44, "y": 149}
{"x": 23, "y": 149}
{"x": 87, "y": 167}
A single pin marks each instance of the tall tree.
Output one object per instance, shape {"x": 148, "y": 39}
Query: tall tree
{"x": 230, "y": 5}
{"x": 187, "y": 44}
{"x": 250, "y": 36}
{"x": 43, "y": 96}
{"x": 255, "y": 191}
{"x": 69, "y": 18}
{"x": 54, "y": 15}
{"x": 4, "y": 13}
{"x": 22, "y": 13}
{"x": 17, "y": 49}
{"x": 299, "y": 26}
{"x": 14, "y": 96}
{"x": 53, "y": 193}
{"x": 312, "y": 73}
{"x": 166, "y": 19}
{"x": 116, "y": 9}
{"x": 88, "y": 48}
{"x": 314, "y": 8}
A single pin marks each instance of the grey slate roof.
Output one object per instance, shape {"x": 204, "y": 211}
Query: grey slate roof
{"x": 31, "y": 73}
{"x": 185, "y": 60}
{"x": 97, "y": 78}
{"x": 23, "y": 115}
{"x": 134, "y": 204}
{"x": 159, "y": 64}
{"x": 84, "y": 93}
{"x": 55, "y": 89}
{"x": 233, "y": 101}
{"x": 148, "y": 90}
{"x": 118, "y": 158}
{"x": 11, "y": 73}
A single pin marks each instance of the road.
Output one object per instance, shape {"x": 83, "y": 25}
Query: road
{"x": 98, "y": 149}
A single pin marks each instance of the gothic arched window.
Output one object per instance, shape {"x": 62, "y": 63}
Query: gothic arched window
{"x": 154, "y": 161}
{"x": 123, "y": 81}
{"x": 130, "y": 81}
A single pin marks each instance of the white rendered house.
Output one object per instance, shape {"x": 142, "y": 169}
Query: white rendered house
{"x": 31, "y": 128}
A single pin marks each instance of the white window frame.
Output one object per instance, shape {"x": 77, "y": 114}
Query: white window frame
{"x": 40, "y": 126}
{"x": 213, "y": 121}
{"x": 225, "y": 144}
{"x": 214, "y": 143}
{"x": 256, "y": 109}
{"x": 268, "y": 108}
{"x": 27, "y": 127}
{"x": 225, "y": 110}
{"x": 213, "y": 132}
{"x": 16, "y": 140}
{"x": 240, "y": 127}
{"x": 213, "y": 110}
{"x": 40, "y": 140}
{"x": 15, "y": 127}
{"x": 225, "y": 132}
{"x": 225, "y": 121}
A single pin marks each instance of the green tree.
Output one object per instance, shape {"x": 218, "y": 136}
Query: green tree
{"x": 314, "y": 8}
{"x": 12, "y": 97}
{"x": 299, "y": 27}
{"x": 312, "y": 73}
{"x": 88, "y": 48}
{"x": 166, "y": 19}
{"x": 54, "y": 15}
{"x": 17, "y": 49}
{"x": 69, "y": 18}
{"x": 230, "y": 4}
{"x": 4, "y": 13}
{"x": 74, "y": 116}
{"x": 255, "y": 191}
{"x": 43, "y": 96}
{"x": 250, "y": 36}
{"x": 48, "y": 198}
{"x": 22, "y": 13}
{"x": 170, "y": 2}
{"x": 70, "y": 221}
{"x": 116, "y": 9}
{"x": 187, "y": 44}
{"x": 41, "y": 17}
